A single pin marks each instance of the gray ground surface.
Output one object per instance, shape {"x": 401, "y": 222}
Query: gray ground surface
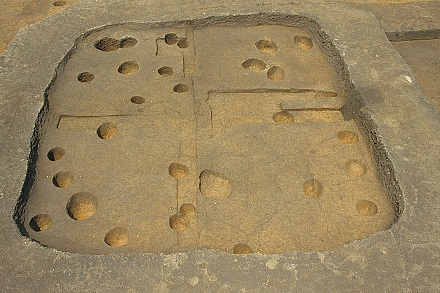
{"x": 423, "y": 57}
{"x": 400, "y": 123}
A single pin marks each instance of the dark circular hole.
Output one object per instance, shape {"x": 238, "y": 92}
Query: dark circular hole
{"x": 180, "y": 88}
{"x": 107, "y": 44}
{"x": 266, "y": 46}
{"x": 107, "y": 130}
{"x": 165, "y": 71}
{"x": 275, "y": 73}
{"x": 40, "y": 222}
{"x": 254, "y": 64}
{"x": 128, "y": 42}
{"x": 137, "y": 100}
{"x": 63, "y": 179}
{"x": 56, "y": 154}
{"x": 242, "y": 249}
{"x": 178, "y": 223}
{"x": 82, "y": 206}
{"x": 171, "y": 38}
{"x": 128, "y": 67}
{"x": 116, "y": 237}
{"x": 59, "y": 3}
{"x": 86, "y": 77}
{"x": 178, "y": 170}
{"x": 183, "y": 43}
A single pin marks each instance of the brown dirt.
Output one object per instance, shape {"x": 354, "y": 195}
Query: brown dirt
{"x": 201, "y": 157}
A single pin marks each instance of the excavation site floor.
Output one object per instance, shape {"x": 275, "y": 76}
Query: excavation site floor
{"x": 253, "y": 142}
{"x": 222, "y": 148}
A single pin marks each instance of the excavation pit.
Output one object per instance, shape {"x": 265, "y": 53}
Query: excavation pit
{"x": 259, "y": 150}
{"x": 381, "y": 96}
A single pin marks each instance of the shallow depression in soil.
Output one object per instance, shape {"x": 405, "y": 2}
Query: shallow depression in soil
{"x": 246, "y": 152}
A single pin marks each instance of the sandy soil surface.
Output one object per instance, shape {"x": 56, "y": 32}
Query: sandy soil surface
{"x": 152, "y": 145}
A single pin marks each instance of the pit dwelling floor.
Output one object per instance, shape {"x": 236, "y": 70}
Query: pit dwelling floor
{"x": 143, "y": 125}
{"x": 166, "y": 156}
